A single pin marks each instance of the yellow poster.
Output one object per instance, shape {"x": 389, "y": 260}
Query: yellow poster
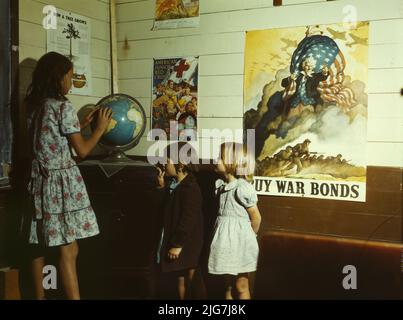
{"x": 305, "y": 95}
{"x": 170, "y": 14}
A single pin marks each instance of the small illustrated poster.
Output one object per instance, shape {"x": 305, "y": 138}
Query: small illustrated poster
{"x": 172, "y": 14}
{"x": 174, "y": 92}
{"x": 72, "y": 38}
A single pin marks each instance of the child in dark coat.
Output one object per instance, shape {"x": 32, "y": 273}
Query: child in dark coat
{"x": 182, "y": 222}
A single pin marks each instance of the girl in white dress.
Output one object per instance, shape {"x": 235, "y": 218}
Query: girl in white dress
{"x": 234, "y": 249}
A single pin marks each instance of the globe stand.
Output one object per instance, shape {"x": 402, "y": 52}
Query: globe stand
{"x": 117, "y": 156}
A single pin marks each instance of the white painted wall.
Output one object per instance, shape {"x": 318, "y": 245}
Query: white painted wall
{"x": 219, "y": 41}
{"x": 33, "y": 42}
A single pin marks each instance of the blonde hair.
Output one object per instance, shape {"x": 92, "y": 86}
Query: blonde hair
{"x": 238, "y": 160}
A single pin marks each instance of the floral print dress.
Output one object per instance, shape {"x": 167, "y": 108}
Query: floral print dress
{"x": 56, "y": 186}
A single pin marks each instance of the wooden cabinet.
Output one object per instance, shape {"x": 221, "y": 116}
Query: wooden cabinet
{"x": 118, "y": 262}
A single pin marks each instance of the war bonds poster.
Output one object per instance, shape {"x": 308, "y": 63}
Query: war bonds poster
{"x": 305, "y": 94}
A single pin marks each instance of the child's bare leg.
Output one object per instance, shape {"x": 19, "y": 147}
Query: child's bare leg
{"x": 228, "y": 287}
{"x": 37, "y": 276}
{"x": 188, "y": 283}
{"x": 228, "y": 293}
{"x": 242, "y": 286}
{"x": 181, "y": 288}
{"x": 68, "y": 270}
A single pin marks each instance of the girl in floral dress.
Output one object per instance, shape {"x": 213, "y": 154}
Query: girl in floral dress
{"x": 63, "y": 212}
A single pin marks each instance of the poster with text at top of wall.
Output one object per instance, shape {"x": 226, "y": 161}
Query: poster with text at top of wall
{"x": 305, "y": 95}
{"x": 172, "y": 14}
{"x": 72, "y": 38}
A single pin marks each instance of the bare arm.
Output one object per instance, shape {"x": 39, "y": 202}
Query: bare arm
{"x": 255, "y": 218}
{"x": 83, "y": 147}
{"x": 88, "y": 118}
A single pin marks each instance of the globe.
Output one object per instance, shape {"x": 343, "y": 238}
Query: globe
{"x": 126, "y": 127}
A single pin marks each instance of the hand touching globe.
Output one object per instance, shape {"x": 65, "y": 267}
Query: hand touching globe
{"x": 126, "y": 126}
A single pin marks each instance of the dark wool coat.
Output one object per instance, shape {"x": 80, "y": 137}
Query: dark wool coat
{"x": 183, "y": 225}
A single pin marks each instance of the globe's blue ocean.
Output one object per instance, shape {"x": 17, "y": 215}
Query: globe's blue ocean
{"x": 123, "y": 132}
{"x": 127, "y": 124}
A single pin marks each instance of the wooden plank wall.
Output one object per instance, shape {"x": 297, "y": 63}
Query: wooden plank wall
{"x": 379, "y": 218}
{"x": 219, "y": 41}
{"x": 33, "y": 42}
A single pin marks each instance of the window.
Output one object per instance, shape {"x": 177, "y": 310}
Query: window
{"x": 8, "y": 18}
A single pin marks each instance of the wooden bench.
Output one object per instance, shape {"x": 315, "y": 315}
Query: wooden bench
{"x": 301, "y": 266}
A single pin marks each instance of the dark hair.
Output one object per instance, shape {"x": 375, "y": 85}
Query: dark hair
{"x": 175, "y": 151}
{"x": 47, "y": 80}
